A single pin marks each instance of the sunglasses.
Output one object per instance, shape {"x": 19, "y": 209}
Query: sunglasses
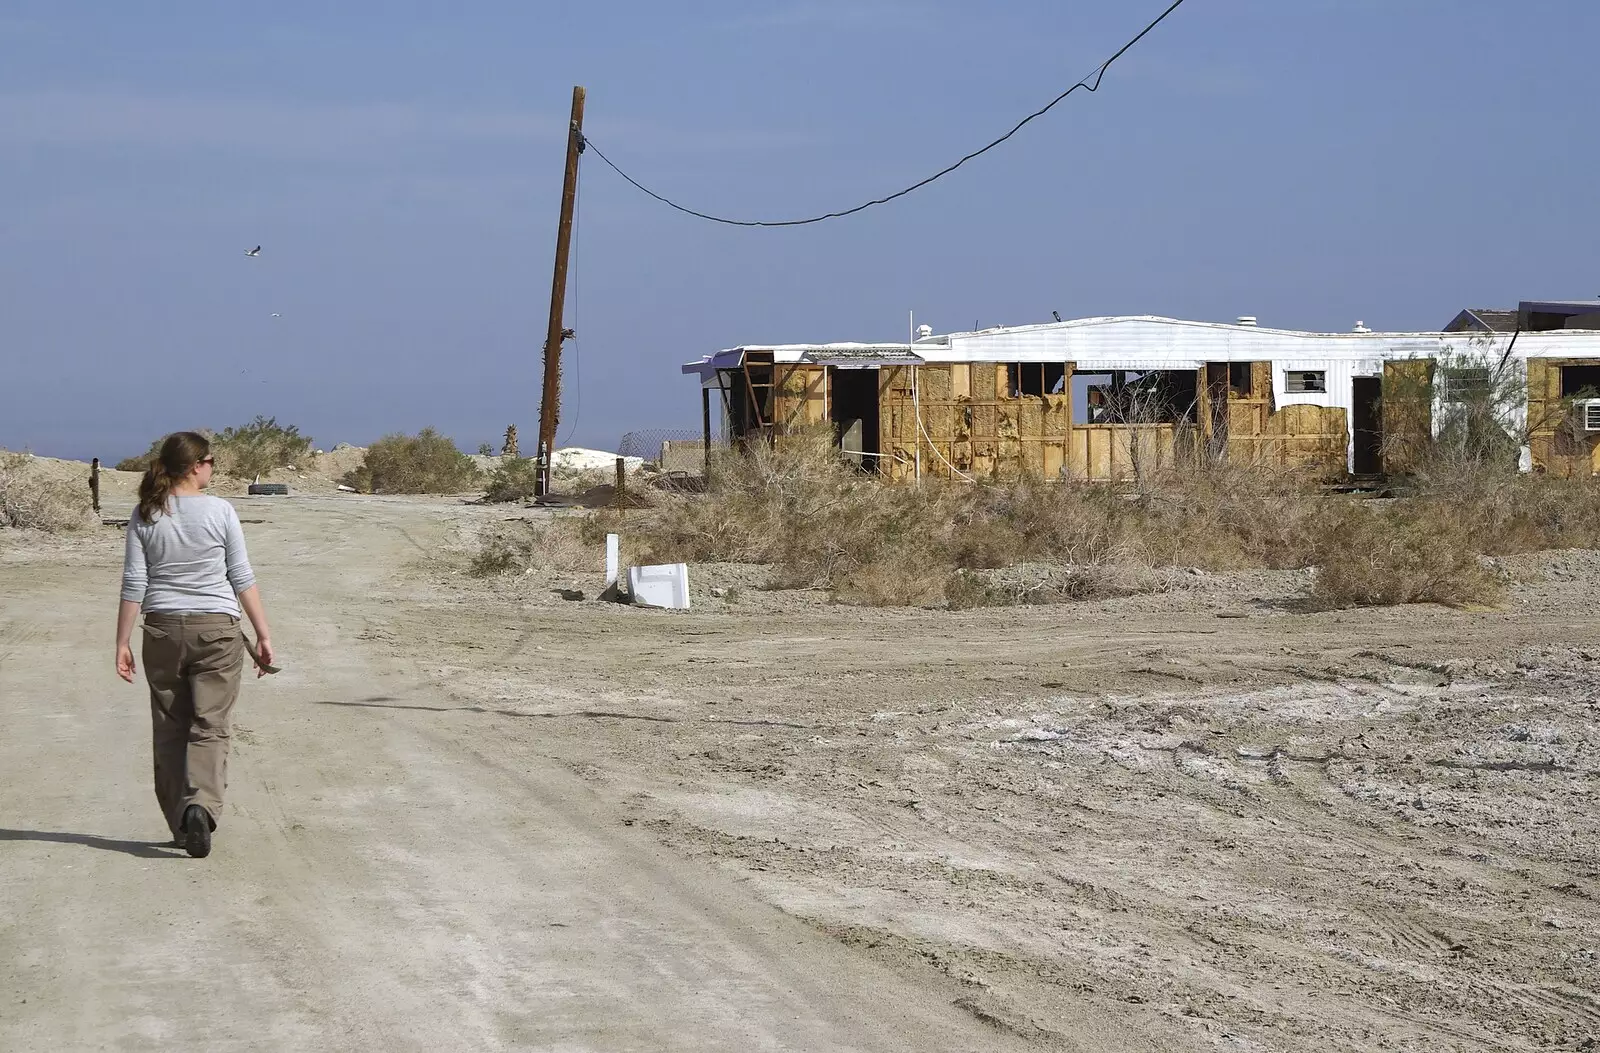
{"x": 207, "y": 460}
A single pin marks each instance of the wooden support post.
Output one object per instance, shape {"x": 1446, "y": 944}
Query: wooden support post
{"x": 705, "y": 424}
{"x": 550, "y": 402}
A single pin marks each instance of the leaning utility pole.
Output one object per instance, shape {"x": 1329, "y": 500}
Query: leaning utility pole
{"x": 550, "y": 404}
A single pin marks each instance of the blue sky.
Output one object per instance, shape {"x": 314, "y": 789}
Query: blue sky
{"x": 1311, "y": 162}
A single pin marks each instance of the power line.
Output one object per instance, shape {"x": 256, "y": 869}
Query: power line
{"x": 1090, "y": 83}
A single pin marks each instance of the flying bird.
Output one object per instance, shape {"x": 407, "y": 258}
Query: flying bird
{"x": 275, "y": 314}
{"x": 253, "y": 252}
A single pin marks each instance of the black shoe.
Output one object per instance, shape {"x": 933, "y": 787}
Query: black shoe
{"x": 197, "y": 831}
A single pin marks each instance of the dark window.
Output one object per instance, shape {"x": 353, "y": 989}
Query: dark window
{"x": 1464, "y": 384}
{"x": 1305, "y": 381}
{"x": 1579, "y": 380}
{"x": 1127, "y": 397}
{"x": 1036, "y": 378}
{"x": 1239, "y": 378}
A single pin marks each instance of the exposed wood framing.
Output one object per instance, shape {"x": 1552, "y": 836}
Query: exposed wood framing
{"x": 801, "y": 398}
{"x": 1556, "y": 438}
{"x": 973, "y": 426}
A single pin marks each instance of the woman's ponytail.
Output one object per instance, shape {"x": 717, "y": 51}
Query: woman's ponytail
{"x": 178, "y": 455}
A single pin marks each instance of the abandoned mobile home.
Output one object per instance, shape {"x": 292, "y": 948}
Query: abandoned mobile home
{"x": 1099, "y": 399}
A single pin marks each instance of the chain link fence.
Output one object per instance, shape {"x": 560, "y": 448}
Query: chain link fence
{"x": 670, "y": 449}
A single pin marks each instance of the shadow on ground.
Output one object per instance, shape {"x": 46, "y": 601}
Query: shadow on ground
{"x": 142, "y": 849}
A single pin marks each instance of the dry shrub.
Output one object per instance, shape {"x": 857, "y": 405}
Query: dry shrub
{"x": 425, "y": 463}
{"x": 1000, "y": 525}
{"x": 967, "y": 589}
{"x": 514, "y": 479}
{"x": 31, "y": 500}
{"x": 820, "y": 523}
{"x": 1223, "y": 518}
{"x": 1419, "y": 552}
{"x": 1510, "y": 513}
{"x": 555, "y": 547}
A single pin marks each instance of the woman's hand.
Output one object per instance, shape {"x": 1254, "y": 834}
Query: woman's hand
{"x": 264, "y": 651}
{"x": 127, "y": 614}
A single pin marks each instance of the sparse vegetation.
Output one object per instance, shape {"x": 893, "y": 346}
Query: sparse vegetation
{"x": 140, "y": 462}
{"x": 425, "y": 463}
{"x": 819, "y": 523}
{"x": 256, "y": 448}
{"x": 259, "y": 447}
{"x": 32, "y": 500}
{"x": 822, "y": 524}
{"x": 1415, "y": 554}
{"x": 557, "y": 546}
{"x": 512, "y": 480}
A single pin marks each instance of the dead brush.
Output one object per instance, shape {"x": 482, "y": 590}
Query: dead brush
{"x": 1225, "y": 518}
{"x": 999, "y": 525}
{"x": 966, "y": 589}
{"x": 817, "y": 521}
{"x": 1510, "y": 513}
{"x": 31, "y": 500}
{"x": 1415, "y": 553}
{"x": 820, "y": 523}
{"x": 555, "y": 548}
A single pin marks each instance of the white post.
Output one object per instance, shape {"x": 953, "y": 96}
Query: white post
{"x": 613, "y": 560}
{"x": 916, "y": 403}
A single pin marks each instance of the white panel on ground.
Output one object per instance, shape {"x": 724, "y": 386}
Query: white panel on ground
{"x": 613, "y": 559}
{"x": 663, "y": 586}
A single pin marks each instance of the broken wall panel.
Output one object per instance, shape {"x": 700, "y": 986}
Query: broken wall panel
{"x": 801, "y": 398}
{"x": 972, "y": 426}
{"x": 1303, "y": 438}
{"x": 1407, "y": 413}
{"x": 1250, "y": 406}
{"x": 1558, "y": 442}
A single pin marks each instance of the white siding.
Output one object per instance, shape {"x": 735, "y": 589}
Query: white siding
{"x": 1098, "y": 345}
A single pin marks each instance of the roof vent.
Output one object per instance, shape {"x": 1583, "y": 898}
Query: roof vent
{"x": 1361, "y": 327}
{"x": 924, "y": 331}
{"x": 1247, "y": 319}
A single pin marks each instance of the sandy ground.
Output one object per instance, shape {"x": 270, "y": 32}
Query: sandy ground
{"x": 474, "y": 816}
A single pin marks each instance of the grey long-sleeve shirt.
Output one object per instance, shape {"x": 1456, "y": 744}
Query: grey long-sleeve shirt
{"x": 191, "y": 560}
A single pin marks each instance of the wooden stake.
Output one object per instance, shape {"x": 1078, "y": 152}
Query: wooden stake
{"x": 550, "y": 402}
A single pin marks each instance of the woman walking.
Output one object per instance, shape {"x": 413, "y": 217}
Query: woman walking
{"x": 186, "y": 568}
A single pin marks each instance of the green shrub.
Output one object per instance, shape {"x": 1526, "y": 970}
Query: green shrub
{"x": 512, "y": 480}
{"x": 259, "y": 447}
{"x": 140, "y": 462}
{"x": 425, "y": 463}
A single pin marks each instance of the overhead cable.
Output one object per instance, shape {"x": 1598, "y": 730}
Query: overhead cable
{"x": 1090, "y": 83}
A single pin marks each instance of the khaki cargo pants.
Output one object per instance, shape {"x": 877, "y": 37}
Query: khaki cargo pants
{"x": 193, "y": 663}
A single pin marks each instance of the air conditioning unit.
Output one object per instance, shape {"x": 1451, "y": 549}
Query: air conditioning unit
{"x": 1589, "y": 409}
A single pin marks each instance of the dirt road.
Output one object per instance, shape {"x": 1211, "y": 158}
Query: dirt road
{"x": 472, "y": 815}
{"x": 383, "y": 880}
